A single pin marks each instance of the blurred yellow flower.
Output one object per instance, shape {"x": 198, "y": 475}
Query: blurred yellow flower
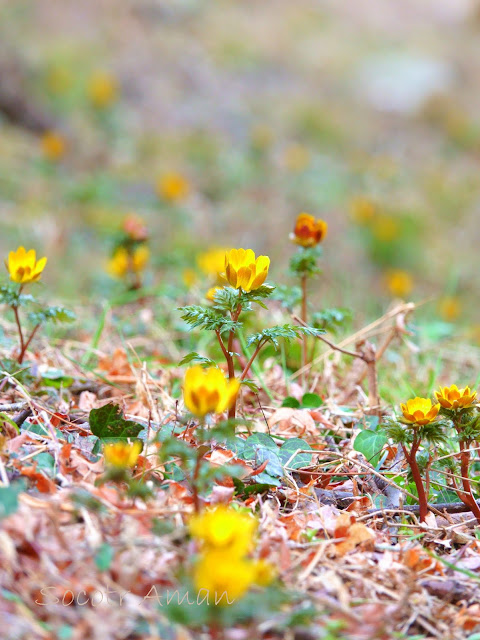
{"x": 245, "y": 272}
{"x": 399, "y": 283}
{"x": 172, "y": 187}
{"x": 385, "y": 228}
{"x": 53, "y": 145}
{"x": 208, "y": 391}
{"x": 210, "y": 295}
{"x": 23, "y": 266}
{"x": 122, "y": 454}
{"x": 450, "y": 308}
{"x": 362, "y": 210}
{"x": 308, "y": 231}
{"x": 223, "y": 576}
{"x": 224, "y": 529}
{"x": 296, "y": 157}
{"x": 212, "y": 262}
{"x": 102, "y": 89}
{"x": 189, "y": 277}
{"x": 123, "y": 261}
{"x": 419, "y": 411}
{"x": 454, "y": 398}
{"x": 264, "y": 573}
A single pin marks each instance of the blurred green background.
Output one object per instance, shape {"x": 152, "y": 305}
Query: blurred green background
{"x": 219, "y": 121}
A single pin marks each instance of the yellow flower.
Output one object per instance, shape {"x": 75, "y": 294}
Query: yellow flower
{"x": 140, "y": 258}
{"x": 264, "y": 573}
{"x": 210, "y": 295}
{"x": 122, "y": 261}
{"x": 245, "y": 272}
{"x": 53, "y": 145}
{"x": 399, "y": 283}
{"x": 122, "y": 454}
{"x": 450, "y": 308}
{"x": 454, "y": 398}
{"x": 173, "y": 187}
{"x": 362, "y": 210}
{"x": 420, "y": 411}
{"x": 385, "y": 228}
{"x": 297, "y": 157}
{"x": 224, "y": 577}
{"x": 308, "y": 232}
{"x": 208, "y": 391}
{"x": 189, "y": 277}
{"x": 23, "y": 266}
{"x": 119, "y": 263}
{"x": 102, "y": 89}
{"x": 224, "y": 529}
{"x": 212, "y": 262}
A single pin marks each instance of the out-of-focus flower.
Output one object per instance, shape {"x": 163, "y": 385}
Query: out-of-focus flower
{"x": 210, "y": 295}
{"x": 189, "y": 277}
{"x": 308, "y": 231}
{"x": 450, "y": 308}
{"x": 399, "y": 283}
{"x": 454, "y": 398}
{"x": 173, "y": 187}
{"x": 53, "y": 145}
{"x": 225, "y": 577}
{"x": 362, "y": 210}
{"x": 385, "y": 228}
{"x": 23, "y": 266}
{"x": 122, "y": 454}
{"x": 245, "y": 272}
{"x": 224, "y": 529}
{"x": 212, "y": 262}
{"x": 265, "y": 573}
{"x": 135, "y": 228}
{"x": 102, "y": 89}
{"x": 296, "y": 158}
{"x": 123, "y": 261}
{"x": 419, "y": 411}
{"x": 208, "y": 391}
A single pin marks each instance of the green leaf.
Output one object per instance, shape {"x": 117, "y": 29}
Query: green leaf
{"x": 370, "y": 443}
{"x": 53, "y": 314}
{"x": 104, "y": 557}
{"x": 311, "y": 401}
{"x": 208, "y": 319}
{"x": 56, "y": 378}
{"x": 291, "y": 402}
{"x": 287, "y": 332}
{"x": 108, "y": 423}
{"x": 288, "y": 449}
{"x": 9, "y": 295}
{"x": 304, "y": 262}
{"x": 9, "y": 498}
{"x": 193, "y": 356}
{"x": 255, "y": 442}
{"x": 5, "y": 419}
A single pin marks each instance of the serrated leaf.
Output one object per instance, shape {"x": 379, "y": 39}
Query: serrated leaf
{"x": 208, "y": 319}
{"x": 370, "y": 443}
{"x": 53, "y": 314}
{"x": 193, "y": 356}
{"x": 108, "y": 423}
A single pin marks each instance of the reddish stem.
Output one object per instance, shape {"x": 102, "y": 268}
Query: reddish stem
{"x": 304, "y": 320}
{"x": 464, "y": 466}
{"x": 417, "y": 478}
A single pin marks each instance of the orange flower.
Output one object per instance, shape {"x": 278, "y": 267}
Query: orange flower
{"x": 419, "y": 411}
{"x": 454, "y": 398}
{"x": 53, "y": 145}
{"x": 308, "y": 232}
